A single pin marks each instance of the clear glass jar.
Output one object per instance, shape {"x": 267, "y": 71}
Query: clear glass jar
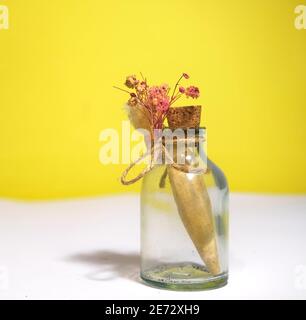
{"x": 184, "y": 225}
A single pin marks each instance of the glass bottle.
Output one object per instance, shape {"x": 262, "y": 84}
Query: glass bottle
{"x": 171, "y": 256}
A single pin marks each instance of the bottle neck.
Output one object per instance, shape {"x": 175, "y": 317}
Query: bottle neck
{"x": 183, "y": 146}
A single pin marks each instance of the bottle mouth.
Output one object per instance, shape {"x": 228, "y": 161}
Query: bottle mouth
{"x": 189, "y": 130}
{"x": 187, "y": 136}
{"x": 179, "y": 133}
{"x": 201, "y": 127}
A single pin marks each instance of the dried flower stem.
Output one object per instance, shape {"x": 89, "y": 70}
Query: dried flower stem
{"x": 176, "y": 87}
{"x": 122, "y": 90}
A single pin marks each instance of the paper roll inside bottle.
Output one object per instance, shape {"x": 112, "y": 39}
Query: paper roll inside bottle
{"x": 191, "y": 195}
{"x": 194, "y": 207}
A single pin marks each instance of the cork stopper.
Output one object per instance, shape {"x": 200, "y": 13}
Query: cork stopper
{"x": 184, "y": 117}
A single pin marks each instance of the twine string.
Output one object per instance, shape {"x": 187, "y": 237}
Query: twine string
{"x": 156, "y": 149}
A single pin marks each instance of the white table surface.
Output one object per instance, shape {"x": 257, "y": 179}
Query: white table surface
{"x": 89, "y": 249}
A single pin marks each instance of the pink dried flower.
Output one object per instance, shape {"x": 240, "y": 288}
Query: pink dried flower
{"x": 164, "y": 87}
{"x": 154, "y": 93}
{"x": 158, "y": 97}
{"x": 181, "y": 89}
{"x": 185, "y": 75}
{"x": 155, "y": 102}
{"x": 192, "y": 92}
{"x": 131, "y": 81}
{"x": 163, "y": 105}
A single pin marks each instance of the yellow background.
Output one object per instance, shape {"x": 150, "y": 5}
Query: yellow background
{"x": 60, "y": 58}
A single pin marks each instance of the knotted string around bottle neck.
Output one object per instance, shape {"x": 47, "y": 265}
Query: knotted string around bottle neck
{"x": 159, "y": 148}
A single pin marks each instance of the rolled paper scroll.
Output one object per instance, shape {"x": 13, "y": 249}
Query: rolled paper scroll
{"x": 191, "y": 196}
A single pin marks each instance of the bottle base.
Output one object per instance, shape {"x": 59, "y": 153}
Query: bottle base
{"x": 183, "y": 276}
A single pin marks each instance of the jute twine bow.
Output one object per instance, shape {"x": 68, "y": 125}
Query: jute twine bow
{"x": 155, "y": 150}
